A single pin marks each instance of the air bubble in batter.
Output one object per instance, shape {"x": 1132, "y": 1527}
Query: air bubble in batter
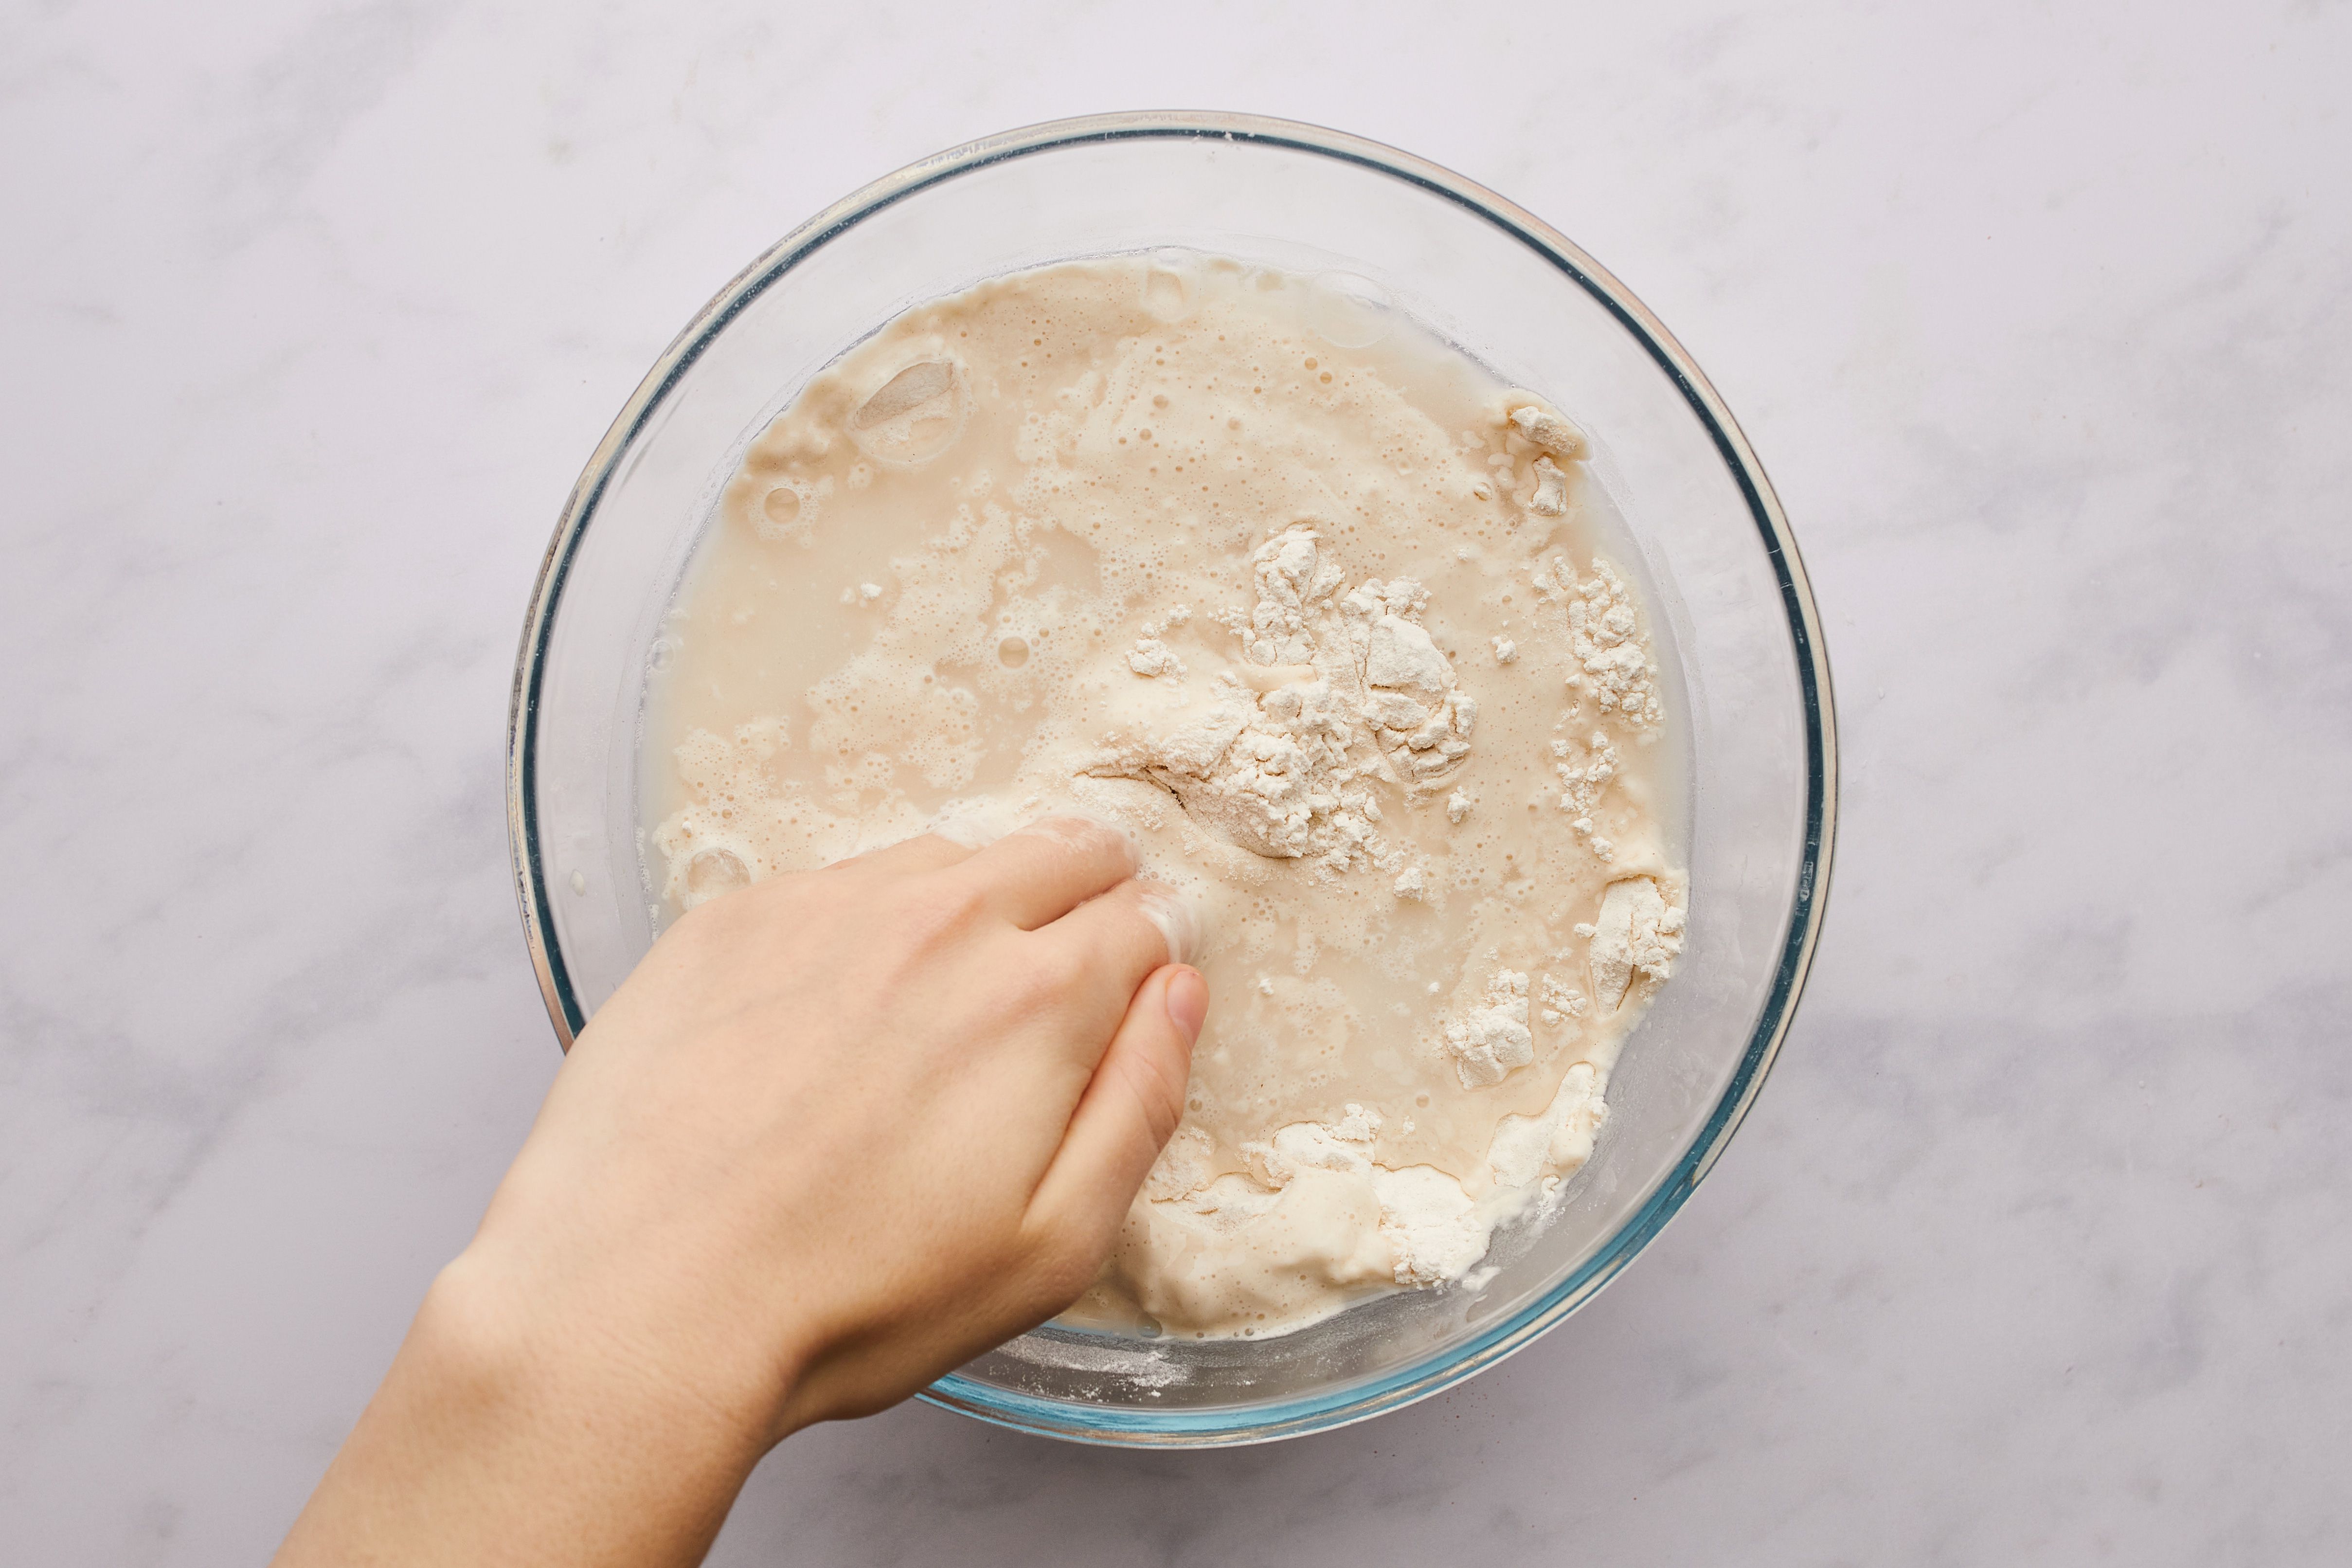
{"x": 914, "y": 417}
{"x": 712, "y": 872}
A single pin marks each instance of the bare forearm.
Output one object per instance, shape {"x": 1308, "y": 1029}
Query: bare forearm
{"x": 498, "y": 1439}
{"x": 728, "y": 1221}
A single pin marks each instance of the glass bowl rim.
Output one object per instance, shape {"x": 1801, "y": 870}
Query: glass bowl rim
{"x": 1228, "y": 1425}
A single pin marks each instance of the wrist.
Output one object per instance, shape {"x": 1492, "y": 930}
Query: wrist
{"x": 509, "y": 1430}
{"x": 519, "y": 1351}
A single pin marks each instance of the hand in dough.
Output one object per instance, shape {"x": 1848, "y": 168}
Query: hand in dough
{"x": 839, "y": 1132}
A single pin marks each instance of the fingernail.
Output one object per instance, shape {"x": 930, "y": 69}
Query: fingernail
{"x": 1188, "y": 1003}
{"x": 1167, "y": 912}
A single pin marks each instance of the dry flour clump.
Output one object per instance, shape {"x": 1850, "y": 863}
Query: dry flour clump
{"x": 1489, "y": 1041}
{"x": 1151, "y": 656}
{"x": 1638, "y": 933}
{"x": 1338, "y": 694}
{"x": 1613, "y": 656}
{"x": 1562, "y": 1003}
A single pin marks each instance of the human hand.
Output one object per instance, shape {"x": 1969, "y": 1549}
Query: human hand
{"x": 865, "y": 1118}
{"x": 839, "y": 1132}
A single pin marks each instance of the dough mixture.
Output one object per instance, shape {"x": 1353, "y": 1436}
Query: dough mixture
{"x": 1263, "y": 572}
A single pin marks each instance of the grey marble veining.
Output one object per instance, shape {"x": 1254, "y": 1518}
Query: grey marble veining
{"x": 2034, "y": 1248}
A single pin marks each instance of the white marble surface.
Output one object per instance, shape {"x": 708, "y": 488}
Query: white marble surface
{"x": 2035, "y": 1247}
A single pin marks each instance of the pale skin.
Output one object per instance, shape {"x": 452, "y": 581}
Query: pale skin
{"x": 839, "y": 1132}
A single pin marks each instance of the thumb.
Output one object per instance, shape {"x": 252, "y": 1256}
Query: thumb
{"x": 1128, "y": 1111}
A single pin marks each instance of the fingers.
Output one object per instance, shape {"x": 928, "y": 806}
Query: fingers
{"x": 1111, "y": 942}
{"x": 923, "y": 852}
{"x": 1130, "y": 1107}
{"x": 1049, "y": 868}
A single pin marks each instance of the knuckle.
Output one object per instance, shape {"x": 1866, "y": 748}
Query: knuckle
{"x": 1051, "y": 972}
{"x": 1158, "y": 1091}
{"x": 935, "y": 912}
{"x": 961, "y": 903}
{"x": 1059, "y": 1271}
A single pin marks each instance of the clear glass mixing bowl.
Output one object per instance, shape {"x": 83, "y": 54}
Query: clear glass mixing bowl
{"x": 1723, "y": 573}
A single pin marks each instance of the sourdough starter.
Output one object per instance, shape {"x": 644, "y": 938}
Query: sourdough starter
{"x": 1317, "y": 610}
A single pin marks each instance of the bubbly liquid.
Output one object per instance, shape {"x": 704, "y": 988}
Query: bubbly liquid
{"x": 1254, "y": 566}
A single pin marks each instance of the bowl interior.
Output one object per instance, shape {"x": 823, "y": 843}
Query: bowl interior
{"x": 1722, "y": 575}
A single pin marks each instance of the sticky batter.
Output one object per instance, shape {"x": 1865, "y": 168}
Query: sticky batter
{"x": 1324, "y": 616}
